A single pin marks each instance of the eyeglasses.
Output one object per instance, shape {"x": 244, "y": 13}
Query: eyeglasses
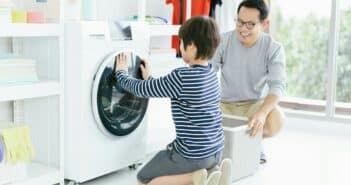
{"x": 249, "y": 24}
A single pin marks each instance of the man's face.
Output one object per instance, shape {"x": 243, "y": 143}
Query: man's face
{"x": 248, "y": 26}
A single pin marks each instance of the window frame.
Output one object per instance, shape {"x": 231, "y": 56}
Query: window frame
{"x": 329, "y": 108}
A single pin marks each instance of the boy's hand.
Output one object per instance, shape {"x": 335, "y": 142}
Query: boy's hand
{"x": 145, "y": 69}
{"x": 121, "y": 62}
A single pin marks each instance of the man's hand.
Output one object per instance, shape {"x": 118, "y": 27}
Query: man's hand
{"x": 145, "y": 69}
{"x": 121, "y": 62}
{"x": 256, "y": 122}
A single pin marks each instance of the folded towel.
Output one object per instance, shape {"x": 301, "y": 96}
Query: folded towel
{"x": 2, "y": 150}
{"x": 18, "y": 144}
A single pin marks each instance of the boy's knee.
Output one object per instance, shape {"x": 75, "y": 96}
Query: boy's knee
{"x": 142, "y": 178}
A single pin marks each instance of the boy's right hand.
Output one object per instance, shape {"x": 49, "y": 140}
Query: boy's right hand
{"x": 145, "y": 69}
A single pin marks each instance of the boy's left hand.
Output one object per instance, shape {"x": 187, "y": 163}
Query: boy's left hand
{"x": 121, "y": 62}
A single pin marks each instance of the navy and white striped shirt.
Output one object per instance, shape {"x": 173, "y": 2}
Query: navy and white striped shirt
{"x": 195, "y": 98}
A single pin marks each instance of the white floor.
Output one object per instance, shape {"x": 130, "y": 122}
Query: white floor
{"x": 297, "y": 156}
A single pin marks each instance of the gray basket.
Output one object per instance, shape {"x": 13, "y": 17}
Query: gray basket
{"x": 240, "y": 147}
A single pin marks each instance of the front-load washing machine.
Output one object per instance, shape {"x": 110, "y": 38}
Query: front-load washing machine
{"x": 105, "y": 127}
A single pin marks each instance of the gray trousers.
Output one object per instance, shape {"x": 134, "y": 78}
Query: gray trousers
{"x": 169, "y": 162}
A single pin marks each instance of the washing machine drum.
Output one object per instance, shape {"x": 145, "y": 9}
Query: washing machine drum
{"x": 117, "y": 112}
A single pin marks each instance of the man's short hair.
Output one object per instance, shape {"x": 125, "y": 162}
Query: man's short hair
{"x": 203, "y": 32}
{"x": 260, "y": 5}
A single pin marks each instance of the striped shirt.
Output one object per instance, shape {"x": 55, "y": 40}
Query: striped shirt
{"x": 195, "y": 98}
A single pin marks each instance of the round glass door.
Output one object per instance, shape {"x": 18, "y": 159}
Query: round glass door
{"x": 117, "y": 112}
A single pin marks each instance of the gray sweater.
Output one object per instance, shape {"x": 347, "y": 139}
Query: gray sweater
{"x": 250, "y": 73}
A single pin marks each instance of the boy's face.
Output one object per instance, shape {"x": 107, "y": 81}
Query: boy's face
{"x": 249, "y": 26}
{"x": 188, "y": 53}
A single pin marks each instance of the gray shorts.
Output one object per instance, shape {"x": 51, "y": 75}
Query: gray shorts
{"x": 169, "y": 162}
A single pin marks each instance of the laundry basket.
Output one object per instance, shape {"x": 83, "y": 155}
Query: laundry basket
{"x": 240, "y": 147}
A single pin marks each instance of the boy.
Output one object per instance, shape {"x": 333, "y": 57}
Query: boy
{"x": 195, "y": 101}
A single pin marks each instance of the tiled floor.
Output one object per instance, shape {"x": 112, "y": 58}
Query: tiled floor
{"x": 295, "y": 157}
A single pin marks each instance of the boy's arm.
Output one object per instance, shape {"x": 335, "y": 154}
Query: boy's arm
{"x": 166, "y": 86}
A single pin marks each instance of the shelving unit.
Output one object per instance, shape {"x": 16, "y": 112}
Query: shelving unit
{"x": 38, "y": 105}
{"x": 29, "y": 30}
{"x": 41, "y": 174}
{"x": 27, "y": 91}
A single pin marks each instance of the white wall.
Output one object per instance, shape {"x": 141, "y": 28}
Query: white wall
{"x": 5, "y": 107}
{"x": 5, "y": 45}
{"x": 5, "y": 111}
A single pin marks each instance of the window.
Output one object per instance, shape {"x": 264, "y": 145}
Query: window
{"x": 343, "y": 85}
{"x": 303, "y": 29}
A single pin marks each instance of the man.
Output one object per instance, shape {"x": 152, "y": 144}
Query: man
{"x": 252, "y": 68}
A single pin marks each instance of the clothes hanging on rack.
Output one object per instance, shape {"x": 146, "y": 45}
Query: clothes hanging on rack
{"x": 198, "y": 7}
{"x": 2, "y": 150}
{"x": 214, "y": 3}
{"x": 226, "y": 14}
{"x": 18, "y": 144}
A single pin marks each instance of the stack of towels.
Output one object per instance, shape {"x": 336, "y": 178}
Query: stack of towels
{"x": 17, "y": 71}
{"x": 5, "y": 11}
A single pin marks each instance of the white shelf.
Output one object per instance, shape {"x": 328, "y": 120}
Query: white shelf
{"x": 164, "y": 30}
{"x": 40, "y": 89}
{"x": 40, "y": 174}
{"x": 29, "y": 30}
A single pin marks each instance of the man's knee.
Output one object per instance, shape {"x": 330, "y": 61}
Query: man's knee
{"x": 274, "y": 122}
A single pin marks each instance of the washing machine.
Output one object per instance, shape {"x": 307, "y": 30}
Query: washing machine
{"x": 105, "y": 127}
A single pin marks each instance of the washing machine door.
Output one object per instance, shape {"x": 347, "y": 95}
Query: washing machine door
{"x": 117, "y": 112}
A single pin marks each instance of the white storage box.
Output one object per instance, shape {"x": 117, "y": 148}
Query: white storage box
{"x": 240, "y": 147}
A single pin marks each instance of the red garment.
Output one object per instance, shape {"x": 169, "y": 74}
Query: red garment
{"x": 198, "y": 7}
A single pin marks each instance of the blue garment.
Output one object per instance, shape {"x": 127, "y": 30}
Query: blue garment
{"x": 195, "y": 98}
{"x": 2, "y": 150}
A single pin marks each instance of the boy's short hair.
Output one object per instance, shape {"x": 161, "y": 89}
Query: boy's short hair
{"x": 203, "y": 32}
{"x": 260, "y": 5}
